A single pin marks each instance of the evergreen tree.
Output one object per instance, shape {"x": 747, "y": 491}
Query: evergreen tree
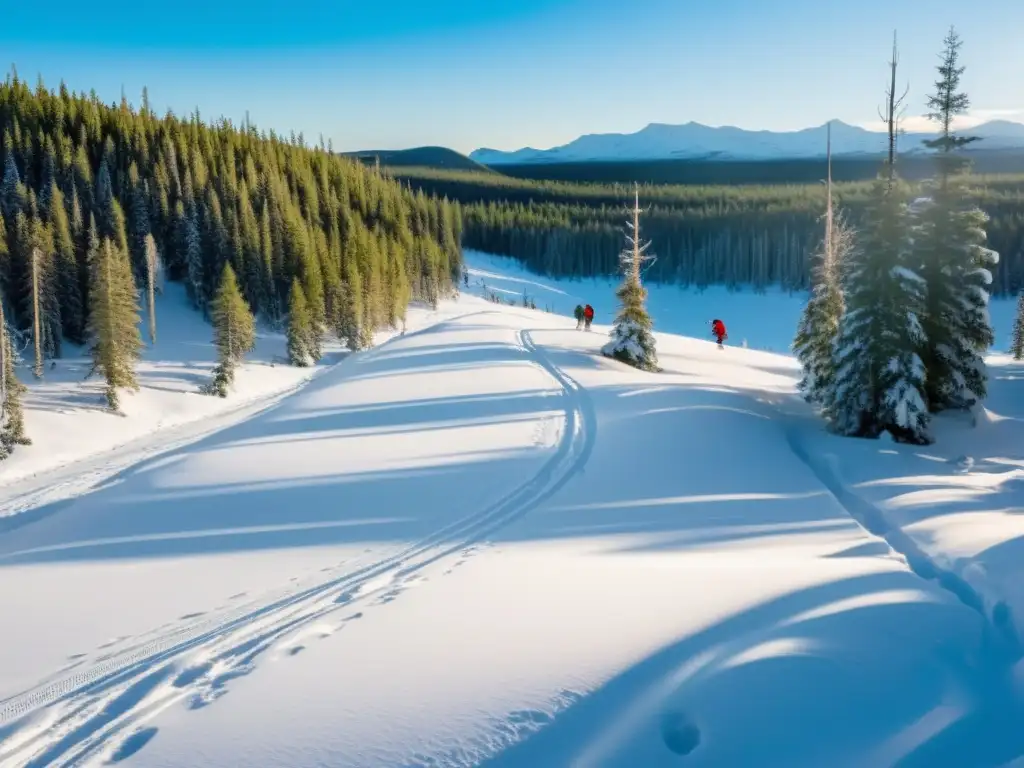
{"x": 68, "y": 288}
{"x": 12, "y": 419}
{"x": 1017, "y": 344}
{"x": 631, "y": 339}
{"x": 234, "y": 331}
{"x": 114, "y": 321}
{"x": 300, "y": 326}
{"x": 879, "y": 378}
{"x": 951, "y": 256}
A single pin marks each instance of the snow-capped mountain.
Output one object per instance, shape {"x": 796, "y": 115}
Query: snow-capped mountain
{"x": 659, "y": 141}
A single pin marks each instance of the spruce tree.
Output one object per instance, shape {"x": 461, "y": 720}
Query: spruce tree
{"x": 68, "y": 286}
{"x": 950, "y": 253}
{"x": 631, "y": 339}
{"x": 12, "y": 418}
{"x": 234, "y": 331}
{"x": 880, "y": 378}
{"x": 300, "y": 326}
{"x": 114, "y": 321}
{"x": 1017, "y": 343}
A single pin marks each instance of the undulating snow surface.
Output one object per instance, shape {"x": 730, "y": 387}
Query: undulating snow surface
{"x": 69, "y": 422}
{"x": 484, "y": 544}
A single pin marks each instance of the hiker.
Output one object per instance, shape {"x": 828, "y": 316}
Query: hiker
{"x": 588, "y": 315}
{"x": 578, "y": 314}
{"x": 718, "y": 331}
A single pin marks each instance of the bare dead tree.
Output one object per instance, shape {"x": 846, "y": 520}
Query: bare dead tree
{"x": 37, "y": 339}
{"x": 151, "y": 266}
{"x": 635, "y": 255}
{"x": 894, "y": 110}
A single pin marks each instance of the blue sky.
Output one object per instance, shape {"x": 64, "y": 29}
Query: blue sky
{"x": 512, "y": 73}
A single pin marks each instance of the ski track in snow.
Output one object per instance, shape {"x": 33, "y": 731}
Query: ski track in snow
{"x": 98, "y": 712}
{"x": 826, "y": 468}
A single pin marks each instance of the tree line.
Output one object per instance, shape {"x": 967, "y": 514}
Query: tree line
{"x": 897, "y": 324}
{"x": 739, "y": 236}
{"x": 98, "y": 203}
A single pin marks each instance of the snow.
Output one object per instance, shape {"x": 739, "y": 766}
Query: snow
{"x": 766, "y": 321}
{"x": 67, "y": 418}
{"x": 484, "y": 543}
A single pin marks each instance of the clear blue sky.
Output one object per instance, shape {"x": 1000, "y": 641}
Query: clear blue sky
{"x": 512, "y": 73}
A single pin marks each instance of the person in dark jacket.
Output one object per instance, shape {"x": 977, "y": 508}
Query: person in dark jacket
{"x": 578, "y": 314}
{"x": 588, "y": 315}
{"x": 718, "y": 331}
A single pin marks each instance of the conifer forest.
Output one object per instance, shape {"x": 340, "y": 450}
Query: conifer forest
{"x": 99, "y": 203}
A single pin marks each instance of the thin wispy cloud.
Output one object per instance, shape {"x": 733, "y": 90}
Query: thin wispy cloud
{"x": 922, "y": 124}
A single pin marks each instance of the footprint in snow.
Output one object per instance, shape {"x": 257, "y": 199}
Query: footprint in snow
{"x": 679, "y": 732}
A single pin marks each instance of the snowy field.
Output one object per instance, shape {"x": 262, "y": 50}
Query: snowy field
{"x": 483, "y": 544}
{"x": 765, "y": 321}
{"x": 67, "y": 418}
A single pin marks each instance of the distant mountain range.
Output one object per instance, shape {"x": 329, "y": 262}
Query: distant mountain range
{"x": 694, "y": 141}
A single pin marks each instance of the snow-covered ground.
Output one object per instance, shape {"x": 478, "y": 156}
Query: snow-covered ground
{"x": 764, "y": 321}
{"x": 77, "y": 441}
{"x": 482, "y": 543}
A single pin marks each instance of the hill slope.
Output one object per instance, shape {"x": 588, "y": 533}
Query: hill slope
{"x": 572, "y": 563}
{"x": 420, "y": 157}
{"x": 696, "y": 141}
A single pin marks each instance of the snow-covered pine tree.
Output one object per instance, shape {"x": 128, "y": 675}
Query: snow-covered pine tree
{"x": 114, "y": 320}
{"x": 879, "y": 379}
{"x": 814, "y": 343}
{"x": 950, "y": 254}
{"x": 234, "y": 331}
{"x": 1017, "y": 343}
{"x": 12, "y": 418}
{"x": 300, "y": 322}
{"x": 631, "y": 339}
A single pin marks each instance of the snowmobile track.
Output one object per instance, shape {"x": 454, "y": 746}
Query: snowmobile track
{"x": 92, "y": 707}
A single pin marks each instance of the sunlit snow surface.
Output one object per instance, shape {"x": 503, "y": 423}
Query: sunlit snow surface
{"x": 484, "y": 544}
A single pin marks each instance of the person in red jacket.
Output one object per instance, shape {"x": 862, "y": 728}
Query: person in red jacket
{"x": 588, "y": 315}
{"x": 718, "y": 331}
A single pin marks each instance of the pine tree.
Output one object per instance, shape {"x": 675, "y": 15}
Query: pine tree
{"x": 1017, "y": 344}
{"x": 114, "y": 321}
{"x": 879, "y": 378}
{"x": 300, "y": 323}
{"x": 68, "y": 288}
{"x": 949, "y": 243}
{"x": 631, "y": 339}
{"x": 819, "y": 324}
{"x": 12, "y": 419}
{"x": 234, "y": 331}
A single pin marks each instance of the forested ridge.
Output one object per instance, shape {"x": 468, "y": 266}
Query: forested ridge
{"x": 737, "y": 235}
{"x": 78, "y": 173}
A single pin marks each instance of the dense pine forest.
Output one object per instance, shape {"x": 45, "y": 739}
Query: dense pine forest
{"x": 96, "y": 198}
{"x": 735, "y": 235}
